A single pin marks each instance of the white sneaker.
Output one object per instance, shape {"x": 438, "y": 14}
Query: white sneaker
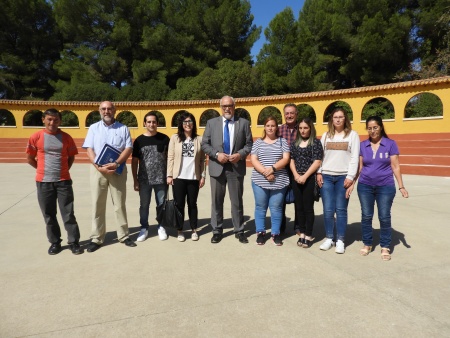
{"x": 326, "y": 245}
{"x": 194, "y": 236}
{"x": 340, "y": 248}
{"x": 162, "y": 234}
{"x": 142, "y": 235}
{"x": 181, "y": 237}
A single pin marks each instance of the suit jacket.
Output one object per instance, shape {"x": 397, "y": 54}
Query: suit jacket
{"x": 213, "y": 142}
{"x": 174, "y": 157}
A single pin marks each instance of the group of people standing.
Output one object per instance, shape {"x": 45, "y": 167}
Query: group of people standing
{"x": 289, "y": 156}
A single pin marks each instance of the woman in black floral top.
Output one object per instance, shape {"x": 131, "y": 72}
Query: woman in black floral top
{"x": 306, "y": 157}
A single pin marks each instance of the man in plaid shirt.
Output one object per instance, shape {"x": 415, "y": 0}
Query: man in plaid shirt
{"x": 289, "y": 132}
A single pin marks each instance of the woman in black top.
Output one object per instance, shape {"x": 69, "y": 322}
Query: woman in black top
{"x": 306, "y": 157}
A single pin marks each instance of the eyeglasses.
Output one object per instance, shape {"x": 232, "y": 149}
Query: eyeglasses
{"x": 338, "y": 117}
{"x": 373, "y": 129}
{"x": 188, "y": 122}
{"x": 225, "y": 106}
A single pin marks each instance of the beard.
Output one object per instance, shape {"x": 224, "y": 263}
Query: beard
{"x": 108, "y": 119}
{"x": 228, "y": 116}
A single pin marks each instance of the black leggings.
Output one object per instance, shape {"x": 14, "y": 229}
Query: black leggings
{"x": 186, "y": 188}
{"x": 304, "y": 205}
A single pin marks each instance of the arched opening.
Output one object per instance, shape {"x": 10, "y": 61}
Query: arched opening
{"x": 127, "y": 118}
{"x": 305, "y": 110}
{"x": 269, "y": 111}
{"x": 7, "y": 118}
{"x": 69, "y": 119}
{"x": 241, "y": 112}
{"x": 338, "y": 104}
{"x": 161, "y": 118}
{"x": 424, "y": 105}
{"x": 207, "y": 115}
{"x": 175, "y": 118}
{"x": 33, "y": 118}
{"x": 378, "y": 106}
{"x": 93, "y": 117}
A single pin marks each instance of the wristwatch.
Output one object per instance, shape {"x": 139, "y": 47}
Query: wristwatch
{"x": 274, "y": 169}
{"x": 117, "y": 164}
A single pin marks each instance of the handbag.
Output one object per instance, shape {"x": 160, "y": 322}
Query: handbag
{"x": 289, "y": 197}
{"x": 167, "y": 214}
{"x": 316, "y": 192}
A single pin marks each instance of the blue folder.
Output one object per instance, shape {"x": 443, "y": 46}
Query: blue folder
{"x": 109, "y": 154}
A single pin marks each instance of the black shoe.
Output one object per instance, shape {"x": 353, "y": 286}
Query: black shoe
{"x": 261, "y": 239}
{"x": 76, "y": 249}
{"x": 301, "y": 242}
{"x": 216, "y": 238}
{"x": 93, "y": 247}
{"x": 241, "y": 237}
{"x": 277, "y": 240}
{"x": 308, "y": 243}
{"x": 54, "y": 249}
{"x": 129, "y": 242}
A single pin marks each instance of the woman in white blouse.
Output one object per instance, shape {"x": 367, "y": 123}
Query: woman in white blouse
{"x": 186, "y": 171}
{"x": 336, "y": 176}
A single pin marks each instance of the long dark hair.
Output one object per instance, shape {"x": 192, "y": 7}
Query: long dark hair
{"x": 379, "y": 122}
{"x": 181, "y": 118}
{"x": 312, "y": 131}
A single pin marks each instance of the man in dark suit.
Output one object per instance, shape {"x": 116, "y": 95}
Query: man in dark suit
{"x": 227, "y": 141}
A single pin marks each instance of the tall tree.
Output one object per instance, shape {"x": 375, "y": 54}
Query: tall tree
{"x": 348, "y": 43}
{"x": 29, "y": 45}
{"x": 102, "y": 38}
{"x": 279, "y": 56}
{"x": 235, "y": 78}
{"x": 431, "y": 28}
{"x": 150, "y": 44}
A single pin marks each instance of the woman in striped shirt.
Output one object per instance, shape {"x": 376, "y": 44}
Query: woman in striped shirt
{"x": 270, "y": 154}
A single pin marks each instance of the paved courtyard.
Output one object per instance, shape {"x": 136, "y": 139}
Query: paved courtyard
{"x": 197, "y": 289}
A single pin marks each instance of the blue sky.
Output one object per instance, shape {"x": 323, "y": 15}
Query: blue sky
{"x": 264, "y": 11}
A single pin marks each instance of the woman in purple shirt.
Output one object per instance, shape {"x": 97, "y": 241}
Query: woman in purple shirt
{"x": 378, "y": 163}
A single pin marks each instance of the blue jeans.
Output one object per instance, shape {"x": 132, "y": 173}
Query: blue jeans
{"x": 272, "y": 199}
{"x": 145, "y": 194}
{"x": 334, "y": 202}
{"x": 384, "y": 196}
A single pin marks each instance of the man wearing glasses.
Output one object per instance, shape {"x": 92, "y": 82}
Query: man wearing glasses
{"x": 149, "y": 168}
{"x": 227, "y": 141}
{"x": 104, "y": 177}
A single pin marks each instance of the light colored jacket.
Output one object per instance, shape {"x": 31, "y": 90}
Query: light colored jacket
{"x": 174, "y": 157}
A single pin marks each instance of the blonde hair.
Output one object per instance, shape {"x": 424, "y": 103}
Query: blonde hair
{"x": 347, "y": 126}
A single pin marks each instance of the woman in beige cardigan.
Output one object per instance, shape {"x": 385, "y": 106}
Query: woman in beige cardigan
{"x": 186, "y": 171}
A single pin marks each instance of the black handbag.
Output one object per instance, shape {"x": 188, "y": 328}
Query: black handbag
{"x": 316, "y": 190}
{"x": 167, "y": 214}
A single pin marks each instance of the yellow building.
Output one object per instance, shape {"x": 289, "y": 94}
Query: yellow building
{"x": 399, "y": 95}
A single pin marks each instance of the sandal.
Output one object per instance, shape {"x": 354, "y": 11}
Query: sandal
{"x": 301, "y": 241}
{"x": 307, "y": 243}
{"x": 365, "y": 250}
{"x": 385, "y": 254}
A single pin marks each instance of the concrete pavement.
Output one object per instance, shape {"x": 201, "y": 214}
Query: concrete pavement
{"x": 197, "y": 289}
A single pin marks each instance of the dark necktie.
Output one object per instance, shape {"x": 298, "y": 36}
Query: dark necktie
{"x": 226, "y": 138}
